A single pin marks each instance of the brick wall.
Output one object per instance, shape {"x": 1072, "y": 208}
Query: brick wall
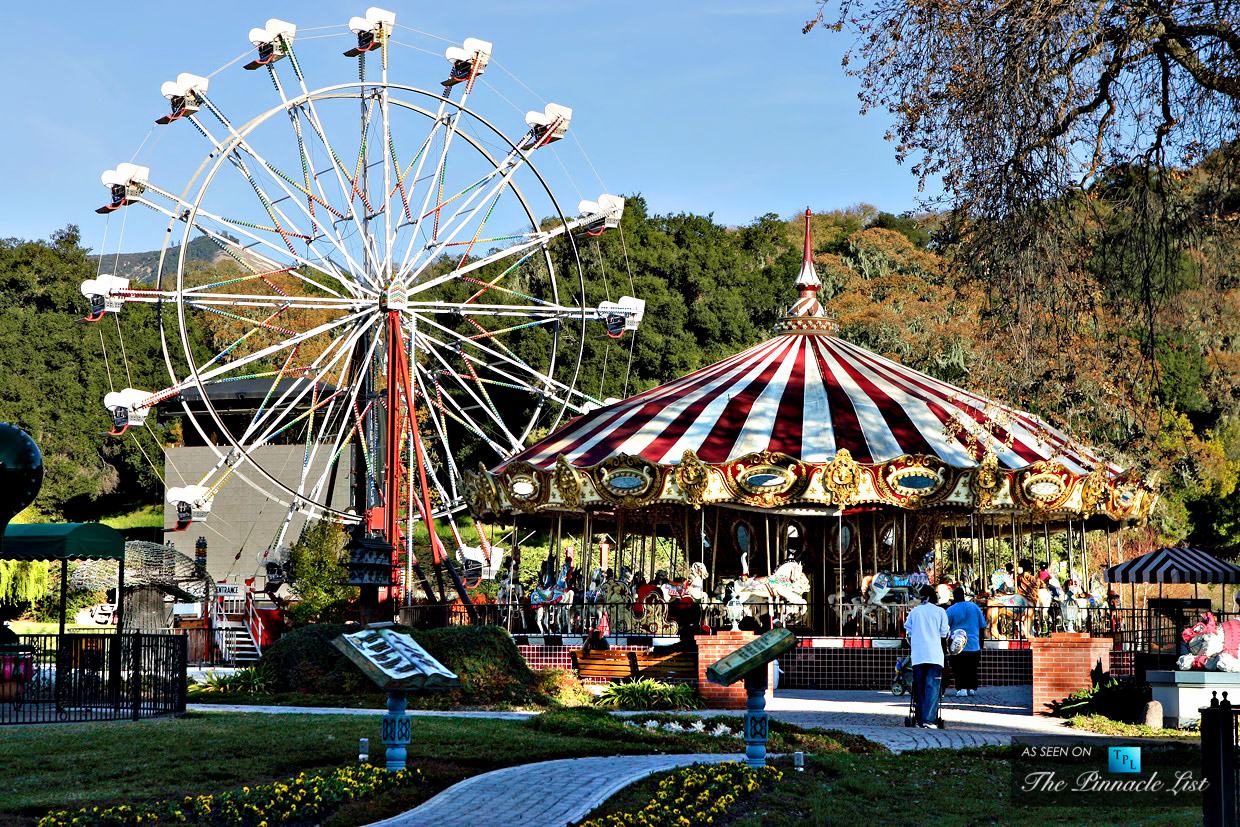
{"x": 710, "y": 649}
{"x": 1064, "y": 663}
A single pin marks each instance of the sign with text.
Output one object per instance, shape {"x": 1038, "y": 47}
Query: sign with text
{"x": 1161, "y": 776}
{"x": 394, "y": 660}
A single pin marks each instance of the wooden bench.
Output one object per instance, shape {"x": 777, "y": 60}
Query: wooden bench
{"x": 679, "y": 667}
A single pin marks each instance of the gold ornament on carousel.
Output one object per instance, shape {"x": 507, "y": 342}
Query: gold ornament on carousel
{"x": 842, "y": 478}
{"x": 691, "y": 477}
{"x": 568, "y": 481}
{"x": 986, "y": 481}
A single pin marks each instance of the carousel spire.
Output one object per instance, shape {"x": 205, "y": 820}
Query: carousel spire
{"x": 806, "y": 314}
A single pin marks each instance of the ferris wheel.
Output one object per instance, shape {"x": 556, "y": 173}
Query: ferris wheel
{"x": 400, "y": 283}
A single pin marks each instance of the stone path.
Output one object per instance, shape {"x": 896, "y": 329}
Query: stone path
{"x": 547, "y": 794}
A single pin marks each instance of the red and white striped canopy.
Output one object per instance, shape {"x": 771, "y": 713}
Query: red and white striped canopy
{"x": 807, "y": 395}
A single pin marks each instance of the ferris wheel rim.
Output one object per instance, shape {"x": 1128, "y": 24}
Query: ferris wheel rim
{"x": 233, "y": 144}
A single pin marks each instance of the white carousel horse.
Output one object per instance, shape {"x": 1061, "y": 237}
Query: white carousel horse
{"x": 846, "y": 610}
{"x": 784, "y": 591}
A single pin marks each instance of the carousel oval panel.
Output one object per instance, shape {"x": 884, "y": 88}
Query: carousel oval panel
{"x": 766, "y": 479}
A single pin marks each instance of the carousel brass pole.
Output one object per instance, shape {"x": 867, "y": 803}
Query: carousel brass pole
{"x": 904, "y": 541}
{"x": 1069, "y": 544}
{"x": 1015, "y": 562}
{"x": 714, "y": 550}
{"x": 768, "y": 544}
{"x": 839, "y": 546}
{"x": 686, "y": 548}
{"x": 956, "y": 551}
{"x": 981, "y": 540}
{"x": 873, "y": 546}
{"x": 1046, "y": 538}
{"x": 620, "y": 539}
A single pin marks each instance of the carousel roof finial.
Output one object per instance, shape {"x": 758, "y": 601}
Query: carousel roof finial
{"x": 806, "y": 314}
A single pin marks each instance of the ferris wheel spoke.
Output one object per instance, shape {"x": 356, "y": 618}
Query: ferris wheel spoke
{"x": 270, "y": 350}
{"x": 459, "y": 219}
{"x": 241, "y": 253}
{"x": 502, "y": 355}
{"x": 537, "y": 242}
{"x": 483, "y": 402}
{"x": 443, "y": 402}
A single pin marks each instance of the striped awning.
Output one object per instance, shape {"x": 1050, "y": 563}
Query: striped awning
{"x": 807, "y": 419}
{"x": 1174, "y": 565}
{"x": 807, "y": 396}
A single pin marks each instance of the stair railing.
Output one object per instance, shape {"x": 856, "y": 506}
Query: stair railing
{"x": 253, "y": 621}
{"x": 225, "y": 643}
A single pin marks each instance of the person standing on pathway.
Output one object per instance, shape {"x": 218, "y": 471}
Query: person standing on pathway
{"x": 926, "y": 627}
{"x": 968, "y": 616}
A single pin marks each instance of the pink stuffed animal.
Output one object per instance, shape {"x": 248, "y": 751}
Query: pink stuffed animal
{"x": 1214, "y": 647}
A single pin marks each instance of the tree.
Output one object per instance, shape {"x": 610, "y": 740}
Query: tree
{"x": 318, "y": 572}
{"x": 1013, "y": 102}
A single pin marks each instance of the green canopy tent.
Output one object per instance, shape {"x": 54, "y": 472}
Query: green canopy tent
{"x": 65, "y": 542}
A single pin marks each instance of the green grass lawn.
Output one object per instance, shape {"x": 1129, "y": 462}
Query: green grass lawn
{"x": 68, "y": 766}
{"x": 942, "y": 787}
{"x": 31, "y": 627}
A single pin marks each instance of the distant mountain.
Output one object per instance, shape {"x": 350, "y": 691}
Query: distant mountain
{"x": 140, "y": 267}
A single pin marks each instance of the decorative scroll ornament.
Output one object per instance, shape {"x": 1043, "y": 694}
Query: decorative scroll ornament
{"x": 691, "y": 477}
{"x": 842, "y": 478}
{"x": 480, "y": 493}
{"x": 1093, "y": 490}
{"x": 986, "y": 481}
{"x": 568, "y": 482}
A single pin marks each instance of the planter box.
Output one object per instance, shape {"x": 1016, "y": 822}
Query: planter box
{"x": 1183, "y": 693}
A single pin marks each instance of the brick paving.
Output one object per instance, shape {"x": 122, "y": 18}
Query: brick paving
{"x": 547, "y": 794}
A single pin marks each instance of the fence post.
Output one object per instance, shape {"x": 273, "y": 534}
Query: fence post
{"x": 182, "y": 667}
{"x": 1218, "y": 746}
{"x": 135, "y": 675}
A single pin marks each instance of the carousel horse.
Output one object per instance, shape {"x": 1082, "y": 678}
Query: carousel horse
{"x": 510, "y": 602}
{"x": 999, "y": 608}
{"x": 592, "y": 600}
{"x": 784, "y": 591}
{"x": 551, "y": 603}
{"x": 617, "y": 599}
{"x": 1214, "y": 647}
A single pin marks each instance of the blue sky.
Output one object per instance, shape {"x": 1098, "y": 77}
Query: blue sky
{"x": 705, "y": 107}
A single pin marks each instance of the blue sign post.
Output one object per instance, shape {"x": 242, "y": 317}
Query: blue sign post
{"x": 750, "y": 662}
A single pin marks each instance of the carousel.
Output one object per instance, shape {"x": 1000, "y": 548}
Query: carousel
{"x": 807, "y": 482}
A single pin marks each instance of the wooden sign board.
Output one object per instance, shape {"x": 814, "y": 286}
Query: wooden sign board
{"x": 394, "y": 660}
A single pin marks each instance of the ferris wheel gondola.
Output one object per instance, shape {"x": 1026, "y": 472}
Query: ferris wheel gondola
{"x": 409, "y": 305}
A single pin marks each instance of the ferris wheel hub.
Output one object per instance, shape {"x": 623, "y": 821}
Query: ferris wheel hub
{"x": 395, "y": 297}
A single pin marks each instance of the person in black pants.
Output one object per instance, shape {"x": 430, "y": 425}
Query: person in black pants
{"x": 968, "y": 616}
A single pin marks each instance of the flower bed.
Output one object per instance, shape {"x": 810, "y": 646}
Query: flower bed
{"x": 301, "y": 800}
{"x": 693, "y": 795}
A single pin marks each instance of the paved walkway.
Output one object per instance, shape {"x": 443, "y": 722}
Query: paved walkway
{"x": 547, "y": 794}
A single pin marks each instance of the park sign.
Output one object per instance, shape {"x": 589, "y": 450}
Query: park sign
{"x": 753, "y": 655}
{"x": 394, "y": 660}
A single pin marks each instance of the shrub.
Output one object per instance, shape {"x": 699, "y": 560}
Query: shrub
{"x": 646, "y": 693}
{"x": 564, "y": 687}
{"x": 251, "y": 681}
{"x": 1120, "y": 699}
{"x": 485, "y": 658}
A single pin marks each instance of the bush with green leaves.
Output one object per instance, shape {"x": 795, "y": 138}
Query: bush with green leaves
{"x": 564, "y": 687}
{"x": 251, "y": 681}
{"x": 646, "y": 693}
{"x": 1120, "y": 699}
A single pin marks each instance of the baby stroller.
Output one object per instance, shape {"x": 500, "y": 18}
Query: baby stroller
{"x": 955, "y": 645}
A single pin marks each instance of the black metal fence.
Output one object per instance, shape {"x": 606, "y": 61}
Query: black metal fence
{"x": 1220, "y": 727}
{"x": 92, "y": 677}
